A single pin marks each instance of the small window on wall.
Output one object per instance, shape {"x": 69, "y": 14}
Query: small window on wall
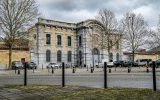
{"x": 48, "y": 38}
{"x": 59, "y": 40}
{"x": 69, "y": 40}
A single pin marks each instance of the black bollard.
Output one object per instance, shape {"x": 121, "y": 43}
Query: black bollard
{"x": 52, "y": 70}
{"x": 109, "y": 70}
{"x": 15, "y": 70}
{"x": 105, "y": 75}
{"x": 147, "y": 70}
{"x": 154, "y": 76}
{"x": 73, "y": 70}
{"x": 25, "y": 74}
{"x": 87, "y": 67}
{"x": 42, "y": 66}
{"x": 18, "y": 71}
{"x": 129, "y": 70}
{"x": 63, "y": 75}
{"x": 91, "y": 69}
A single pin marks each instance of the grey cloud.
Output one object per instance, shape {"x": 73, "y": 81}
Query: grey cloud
{"x": 64, "y": 9}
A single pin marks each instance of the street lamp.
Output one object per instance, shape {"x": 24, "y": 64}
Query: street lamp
{"x": 132, "y": 21}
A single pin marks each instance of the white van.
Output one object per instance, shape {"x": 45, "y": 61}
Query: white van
{"x": 142, "y": 62}
{"x": 108, "y": 63}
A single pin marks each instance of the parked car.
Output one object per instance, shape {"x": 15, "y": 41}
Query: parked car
{"x": 31, "y": 65}
{"x": 158, "y": 62}
{"x": 17, "y": 65}
{"x": 118, "y": 63}
{"x": 52, "y": 65}
{"x": 143, "y": 62}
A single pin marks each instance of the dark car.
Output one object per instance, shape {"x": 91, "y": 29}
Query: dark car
{"x": 128, "y": 63}
{"x": 158, "y": 62}
{"x": 17, "y": 65}
{"x": 31, "y": 65}
{"x": 119, "y": 63}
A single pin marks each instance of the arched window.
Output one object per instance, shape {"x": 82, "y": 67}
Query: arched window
{"x": 48, "y": 56}
{"x": 117, "y": 57}
{"x": 59, "y": 56}
{"x": 69, "y": 56}
{"x": 110, "y": 57}
{"x": 95, "y": 51}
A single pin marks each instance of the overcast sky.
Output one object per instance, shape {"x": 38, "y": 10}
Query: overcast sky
{"x": 79, "y": 10}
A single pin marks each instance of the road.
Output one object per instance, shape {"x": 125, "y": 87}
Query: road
{"x": 127, "y": 80}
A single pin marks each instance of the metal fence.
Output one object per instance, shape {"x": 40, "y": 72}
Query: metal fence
{"x": 123, "y": 77}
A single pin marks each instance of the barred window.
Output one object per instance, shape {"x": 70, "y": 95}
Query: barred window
{"x": 48, "y": 39}
{"x": 48, "y": 56}
{"x": 69, "y": 40}
{"x": 69, "y": 56}
{"x": 59, "y": 56}
{"x": 59, "y": 40}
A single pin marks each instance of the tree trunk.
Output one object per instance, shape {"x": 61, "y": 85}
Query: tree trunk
{"x": 133, "y": 55}
{"x": 10, "y": 57}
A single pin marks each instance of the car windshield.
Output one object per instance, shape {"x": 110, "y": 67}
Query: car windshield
{"x": 32, "y": 63}
{"x": 52, "y": 63}
{"x": 18, "y": 63}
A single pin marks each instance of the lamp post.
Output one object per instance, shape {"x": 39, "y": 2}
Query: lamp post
{"x": 132, "y": 20}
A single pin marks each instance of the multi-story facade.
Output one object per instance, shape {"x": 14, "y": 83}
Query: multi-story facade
{"x": 55, "y": 41}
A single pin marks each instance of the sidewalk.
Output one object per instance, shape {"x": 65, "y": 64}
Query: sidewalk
{"x": 45, "y": 71}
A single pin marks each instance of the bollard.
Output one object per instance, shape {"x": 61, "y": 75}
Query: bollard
{"x": 15, "y": 70}
{"x": 105, "y": 75}
{"x": 154, "y": 76}
{"x": 91, "y": 69}
{"x": 109, "y": 70}
{"x": 147, "y": 70}
{"x": 42, "y": 66}
{"x": 33, "y": 70}
{"x": 18, "y": 72}
{"x": 48, "y": 69}
{"x": 25, "y": 74}
{"x": 63, "y": 75}
{"x": 52, "y": 70}
{"x": 87, "y": 67}
{"x": 129, "y": 70}
{"x": 6, "y": 66}
{"x": 73, "y": 71}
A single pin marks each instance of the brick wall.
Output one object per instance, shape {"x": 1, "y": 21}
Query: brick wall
{"x": 16, "y": 56}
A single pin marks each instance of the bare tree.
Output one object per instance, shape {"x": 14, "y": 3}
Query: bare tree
{"x": 134, "y": 32}
{"x": 16, "y": 16}
{"x": 154, "y": 38}
{"x": 106, "y": 28}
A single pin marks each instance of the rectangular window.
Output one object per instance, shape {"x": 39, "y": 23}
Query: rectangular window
{"x": 48, "y": 38}
{"x": 69, "y": 40}
{"x": 58, "y": 39}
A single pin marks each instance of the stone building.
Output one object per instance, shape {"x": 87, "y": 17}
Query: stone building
{"x": 57, "y": 42}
